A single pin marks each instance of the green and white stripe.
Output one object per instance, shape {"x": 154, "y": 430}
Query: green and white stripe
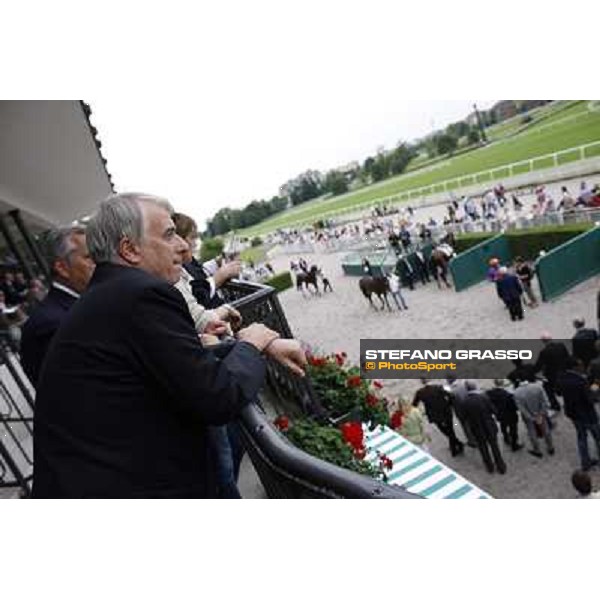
{"x": 417, "y": 471}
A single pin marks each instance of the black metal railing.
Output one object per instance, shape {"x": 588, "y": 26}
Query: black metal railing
{"x": 284, "y": 470}
{"x": 16, "y": 423}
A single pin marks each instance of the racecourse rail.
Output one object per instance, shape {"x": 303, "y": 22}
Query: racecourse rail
{"x": 551, "y": 160}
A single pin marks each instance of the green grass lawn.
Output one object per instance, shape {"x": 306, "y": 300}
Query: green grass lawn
{"x": 573, "y": 126}
{"x": 256, "y": 255}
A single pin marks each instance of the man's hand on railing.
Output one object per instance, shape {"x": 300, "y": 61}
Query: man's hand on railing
{"x": 258, "y": 335}
{"x": 229, "y": 314}
{"x": 289, "y": 353}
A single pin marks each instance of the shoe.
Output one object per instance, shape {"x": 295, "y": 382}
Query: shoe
{"x": 517, "y": 447}
{"x": 536, "y": 453}
{"x": 501, "y": 469}
{"x": 551, "y": 452}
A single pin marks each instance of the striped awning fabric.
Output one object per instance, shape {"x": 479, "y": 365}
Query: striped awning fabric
{"x": 417, "y": 471}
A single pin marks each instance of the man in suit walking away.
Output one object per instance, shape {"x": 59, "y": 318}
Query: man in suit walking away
{"x": 71, "y": 268}
{"x": 127, "y": 390}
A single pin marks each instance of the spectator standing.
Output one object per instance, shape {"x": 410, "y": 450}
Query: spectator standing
{"x": 532, "y": 402}
{"x": 584, "y": 342}
{"x": 478, "y": 411}
{"x": 394, "y": 283}
{"x": 439, "y": 412}
{"x": 526, "y": 274}
{"x": 579, "y": 407}
{"x": 553, "y": 359}
{"x": 71, "y": 268}
{"x": 506, "y": 412}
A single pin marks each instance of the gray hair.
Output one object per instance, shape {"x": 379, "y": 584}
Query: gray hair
{"x": 56, "y": 244}
{"x": 118, "y": 216}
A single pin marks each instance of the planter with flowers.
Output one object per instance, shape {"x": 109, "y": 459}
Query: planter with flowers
{"x": 352, "y": 404}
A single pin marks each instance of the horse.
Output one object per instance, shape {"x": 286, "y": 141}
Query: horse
{"x": 304, "y": 279}
{"x": 375, "y": 285}
{"x": 440, "y": 259}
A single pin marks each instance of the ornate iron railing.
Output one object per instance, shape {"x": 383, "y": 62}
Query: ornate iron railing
{"x": 284, "y": 470}
{"x": 16, "y": 423}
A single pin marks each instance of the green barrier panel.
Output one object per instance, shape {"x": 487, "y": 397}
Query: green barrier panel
{"x": 470, "y": 267}
{"x": 569, "y": 264}
{"x": 380, "y": 262}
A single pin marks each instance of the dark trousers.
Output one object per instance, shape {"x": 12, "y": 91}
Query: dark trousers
{"x": 582, "y": 429}
{"x": 515, "y": 308}
{"x": 227, "y": 452}
{"x": 447, "y": 428}
{"x": 423, "y": 274}
{"x": 510, "y": 432}
{"x": 488, "y": 447}
{"x": 550, "y": 389}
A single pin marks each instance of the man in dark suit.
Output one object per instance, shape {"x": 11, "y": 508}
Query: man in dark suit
{"x": 71, "y": 267}
{"x": 584, "y": 342}
{"x": 438, "y": 409}
{"x": 479, "y": 414}
{"x": 552, "y": 360}
{"x": 127, "y": 390}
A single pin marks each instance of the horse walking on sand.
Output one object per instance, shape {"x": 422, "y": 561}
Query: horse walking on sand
{"x": 304, "y": 279}
{"x": 440, "y": 259}
{"x": 375, "y": 285}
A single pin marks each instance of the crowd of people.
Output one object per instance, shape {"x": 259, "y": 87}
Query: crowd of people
{"x": 530, "y": 394}
{"x": 139, "y": 365}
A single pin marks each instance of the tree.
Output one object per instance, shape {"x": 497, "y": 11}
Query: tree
{"x": 473, "y": 136}
{"x": 335, "y": 183}
{"x": 446, "y": 144}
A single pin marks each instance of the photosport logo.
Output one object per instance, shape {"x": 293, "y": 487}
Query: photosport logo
{"x": 438, "y": 359}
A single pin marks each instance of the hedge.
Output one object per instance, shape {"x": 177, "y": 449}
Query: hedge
{"x": 211, "y": 248}
{"x": 281, "y": 281}
{"x": 527, "y": 242}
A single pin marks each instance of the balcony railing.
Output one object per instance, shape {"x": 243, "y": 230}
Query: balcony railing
{"x": 284, "y": 470}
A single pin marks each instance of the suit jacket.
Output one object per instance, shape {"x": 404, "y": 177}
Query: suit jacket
{"x": 127, "y": 391}
{"x": 479, "y": 411}
{"x": 574, "y": 389}
{"x": 584, "y": 344}
{"x": 40, "y": 328}
{"x": 436, "y": 401}
{"x": 553, "y": 359}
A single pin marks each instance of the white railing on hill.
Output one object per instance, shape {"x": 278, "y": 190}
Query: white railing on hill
{"x": 448, "y": 185}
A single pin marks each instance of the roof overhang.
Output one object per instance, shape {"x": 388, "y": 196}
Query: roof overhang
{"x": 51, "y": 168}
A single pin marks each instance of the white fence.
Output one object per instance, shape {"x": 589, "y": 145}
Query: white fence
{"x": 456, "y": 183}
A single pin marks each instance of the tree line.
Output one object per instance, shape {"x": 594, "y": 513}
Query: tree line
{"x": 382, "y": 165}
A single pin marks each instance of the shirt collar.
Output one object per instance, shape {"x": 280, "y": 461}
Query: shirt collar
{"x": 65, "y": 289}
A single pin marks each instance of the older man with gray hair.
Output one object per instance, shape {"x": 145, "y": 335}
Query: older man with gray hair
{"x": 128, "y": 391}
{"x": 71, "y": 267}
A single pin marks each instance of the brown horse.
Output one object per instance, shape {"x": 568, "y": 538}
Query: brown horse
{"x": 375, "y": 285}
{"x": 304, "y": 279}
{"x": 439, "y": 266}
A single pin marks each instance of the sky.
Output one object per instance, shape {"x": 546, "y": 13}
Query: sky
{"x": 208, "y": 152}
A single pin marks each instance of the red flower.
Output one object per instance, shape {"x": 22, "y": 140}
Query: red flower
{"x": 353, "y": 381}
{"x": 371, "y": 400}
{"x": 352, "y": 433}
{"x": 378, "y": 384}
{"x": 385, "y": 462}
{"x": 360, "y": 453}
{"x": 317, "y": 361}
{"x": 282, "y": 423}
{"x": 339, "y": 359}
{"x": 396, "y": 419}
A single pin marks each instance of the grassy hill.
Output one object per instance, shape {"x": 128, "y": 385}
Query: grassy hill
{"x": 559, "y": 127}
